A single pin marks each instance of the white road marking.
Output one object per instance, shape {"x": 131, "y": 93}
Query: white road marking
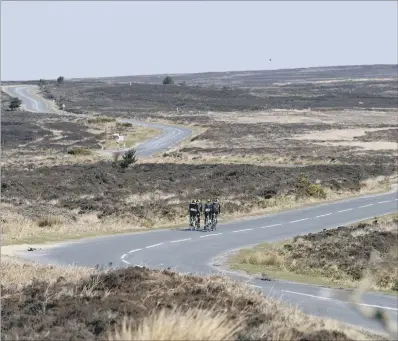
{"x": 134, "y": 250}
{"x": 323, "y": 215}
{"x": 365, "y": 206}
{"x": 264, "y": 227}
{"x": 382, "y": 202}
{"x": 124, "y": 261}
{"x": 125, "y": 255}
{"x": 348, "y": 209}
{"x": 209, "y": 235}
{"x": 148, "y": 247}
{"x": 331, "y": 299}
{"x": 242, "y": 230}
{"x": 27, "y": 97}
{"x": 295, "y": 221}
{"x": 255, "y": 286}
{"x": 180, "y": 240}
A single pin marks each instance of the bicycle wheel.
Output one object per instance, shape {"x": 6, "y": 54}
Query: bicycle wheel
{"x": 191, "y": 223}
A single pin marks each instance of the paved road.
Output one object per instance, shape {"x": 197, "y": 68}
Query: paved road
{"x": 170, "y": 135}
{"x": 195, "y": 251}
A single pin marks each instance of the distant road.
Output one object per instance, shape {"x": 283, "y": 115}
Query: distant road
{"x": 169, "y": 137}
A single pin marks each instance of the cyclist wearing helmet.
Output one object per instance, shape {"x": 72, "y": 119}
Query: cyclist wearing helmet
{"x": 193, "y": 210}
{"x": 200, "y": 209}
{"x": 216, "y": 208}
{"x": 208, "y": 210}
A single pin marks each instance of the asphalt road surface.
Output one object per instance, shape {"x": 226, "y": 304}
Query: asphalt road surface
{"x": 198, "y": 252}
{"x": 170, "y": 135}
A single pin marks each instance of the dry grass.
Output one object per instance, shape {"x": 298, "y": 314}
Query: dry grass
{"x": 193, "y": 324}
{"x": 79, "y": 151}
{"x": 19, "y": 229}
{"x": 195, "y": 308}
{"x": 109, "y": 126}
{"x": 334, "y": 256}
{"x": 20, "y": 273}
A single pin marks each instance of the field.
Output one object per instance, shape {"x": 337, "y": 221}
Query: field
{"x": 252, "y": 144}
{"x": 263, "y": 141}
{"x": 336, "y": 257}
{"x": 38, "y": 139}
{"x": 141, "y": 304}
{"x": 348, "y": 118}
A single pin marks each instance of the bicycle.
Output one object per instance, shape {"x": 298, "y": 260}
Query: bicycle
{"x": 193, "y": 222}
{"x": 208, "y": 220}
{"x": 214, "y": 222}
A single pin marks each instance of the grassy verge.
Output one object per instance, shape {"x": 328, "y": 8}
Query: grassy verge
{"x": 18, "y": 229}
{"x": 337, "y": 257}
{"x": 142, "y": 304}
{"x": 107, "y": 126}
{"x": 50, "y": 228}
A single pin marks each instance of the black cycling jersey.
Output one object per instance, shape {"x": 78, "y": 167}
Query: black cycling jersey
{"x": 216, "y": 208}
{"x": 193, "y": 207}
{"x": 208, "y": 208}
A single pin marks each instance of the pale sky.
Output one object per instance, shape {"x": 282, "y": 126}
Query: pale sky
{"x": 47, "y": 39}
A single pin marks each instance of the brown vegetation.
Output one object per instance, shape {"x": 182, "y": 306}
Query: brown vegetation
{"x": 137, "y": 303}
{"x": 339, "y": 256}
{"x": 101, "y": 198}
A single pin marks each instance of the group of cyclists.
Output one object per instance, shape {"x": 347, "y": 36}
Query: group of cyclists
{"x": 211, "y": 209}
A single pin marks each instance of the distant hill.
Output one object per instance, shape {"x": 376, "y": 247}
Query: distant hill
{"x": 261, "y": 77}
{"x": 254, "y": 78}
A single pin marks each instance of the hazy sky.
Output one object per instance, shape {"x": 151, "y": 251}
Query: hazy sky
{"x": 93, "y": 39}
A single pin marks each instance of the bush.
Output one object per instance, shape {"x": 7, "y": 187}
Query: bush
{"x": 49, "y": 221}
{"x": 306, "y": 188}
{"x": 168, "y": 80}
{"x": 79, "y": 151}
{"x": 124, "y": 125}
{"x": 128, "y": 159}
{"x": 15, "y": 103}
{"x": 314, "y": 190}
{"x": 101, "y": 119}
{"x": 60, "y": 80}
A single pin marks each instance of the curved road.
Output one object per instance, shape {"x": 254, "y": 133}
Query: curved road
{"x": 169, "y": 137}
{"x": 197, "y": 252}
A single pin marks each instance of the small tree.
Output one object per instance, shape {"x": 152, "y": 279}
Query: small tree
{"x": 15, "y": 103}
{"x": 128, "y": 159}
{"x": 60, "y": 80}
{"x": 168, "y": 80}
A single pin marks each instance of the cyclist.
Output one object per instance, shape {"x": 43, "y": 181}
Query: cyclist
{"x": 208, "y": 211}
{"x": 193, "y": 211}
{"x": 200, "y": 210}
{"x": 216, "y": 209}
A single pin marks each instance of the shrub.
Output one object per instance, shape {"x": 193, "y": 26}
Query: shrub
{"x": 101, "y": 119}
{"x": 60, "y": 80}
{"x": 124, "y": 125}
{"x": 15, "y": 103}
{"x": 306, "y": 188}
{"x": 128, "y": 159}
{"x": 49, "y": 221}
{"x": 314, "y": 190}
{"x": 168, "y": 80}
{"x": 79, "y": 151}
